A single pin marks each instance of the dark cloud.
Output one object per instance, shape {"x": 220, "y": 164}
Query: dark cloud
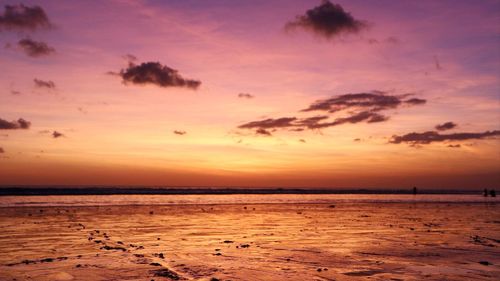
{"x": 433, "y": 136}
{"x": 373, "y": 101}
{"x": 179, "y": 132}
{"x": 368, "y": 116}
{"x": 35, "y": 48}
{"x": 157, "y": 74}
{"x": 454, "y": 145}
{"x": 22, "y": 17}
{"x": 44, "y": 84}
{"x": 310, "y": 122}
{"x": 328, "y": 20}
{"x": 263, "y": 132}
{"x": 270, "y": 123}
{"x": 357, "y": 139}
{"x": 415, "y": 101}
{"x": 245, "y": 95}
{"x": 302, "y": 140}
{"x": 19, "y": 124}
{"x": 445, "y": 126}
{"x": 359, "y": 107}
{"x": 15, "y": 93}
{"x": 56, "y": 134}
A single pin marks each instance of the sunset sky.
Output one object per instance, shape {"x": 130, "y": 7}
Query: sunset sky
{"x": 223, "y": 93}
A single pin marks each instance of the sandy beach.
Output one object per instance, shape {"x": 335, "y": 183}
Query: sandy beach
{"x": 343, "y": 241}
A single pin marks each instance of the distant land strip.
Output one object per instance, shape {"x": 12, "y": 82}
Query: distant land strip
{"x": 67, "y": 190}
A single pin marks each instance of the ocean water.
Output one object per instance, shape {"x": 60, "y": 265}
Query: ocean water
{"x": 123, "y": 200}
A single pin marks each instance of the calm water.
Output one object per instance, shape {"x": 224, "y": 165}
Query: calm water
{"x": 117, "y": 200}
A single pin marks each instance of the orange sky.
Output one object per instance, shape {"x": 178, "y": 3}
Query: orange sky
{"x": 366, "y": 58}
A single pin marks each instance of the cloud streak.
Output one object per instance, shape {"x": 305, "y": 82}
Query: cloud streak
{"x": 433, "y": 136}
{"x": 156, "y": 74}
{"x": 35, "y": 49}
{"x": 374, "y": 101}
{"x": 44, "y": 84}
{"x": 245, "y": 96}
{"x": 180, "y": 133}
{"x": 13, "y": 125}
{"x": 20, "y": 17}
{"x": 359, "y": 107}
{"x": 327, "y": 20}
{"x": 445, "y": 126}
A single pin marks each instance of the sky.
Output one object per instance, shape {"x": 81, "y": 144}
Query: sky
{"x": 224, "y": 93}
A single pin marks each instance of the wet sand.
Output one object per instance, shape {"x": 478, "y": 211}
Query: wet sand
{"x": 347, "y": 241}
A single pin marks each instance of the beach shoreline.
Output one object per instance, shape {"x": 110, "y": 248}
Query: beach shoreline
{"x": 344, "y": 241}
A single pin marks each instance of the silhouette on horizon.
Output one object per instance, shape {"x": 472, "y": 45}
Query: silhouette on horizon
{"x": 485, "y": 192}
{"x": 414, "y": 190}
{"x": 493, "y": 193}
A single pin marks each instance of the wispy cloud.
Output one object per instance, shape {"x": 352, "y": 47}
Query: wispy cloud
{"x": 44, "y": 84}
{"x": 374, "y": 101}
{"x": 35, "y": 48}
{"x": 263, "y": 132}
{"x": 360, "y": 107}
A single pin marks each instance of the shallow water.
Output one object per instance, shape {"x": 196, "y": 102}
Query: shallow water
{"x": 108, "y": 200}
{"x": 332, "y": 237}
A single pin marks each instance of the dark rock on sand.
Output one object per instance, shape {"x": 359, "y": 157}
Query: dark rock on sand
{"x": 485, "y": 263}
{"x": 165, "y": 272}
{"x": 106, "y": 247}
{"x": 155, "y": 264}
{"x": 160, "y": 255}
